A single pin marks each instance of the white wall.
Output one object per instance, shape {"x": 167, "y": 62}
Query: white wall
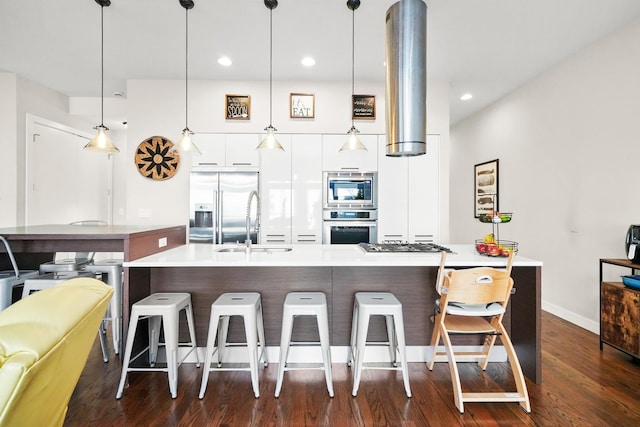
{"x": 568, "y": 148}
{"x": 157, "y": 108}
{"x": 8, "y": 147}
{"x": 19, "y": 97}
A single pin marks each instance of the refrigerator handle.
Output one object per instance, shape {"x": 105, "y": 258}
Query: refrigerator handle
{"x": 215, "y": 217}
{"x": 220, "y": 210}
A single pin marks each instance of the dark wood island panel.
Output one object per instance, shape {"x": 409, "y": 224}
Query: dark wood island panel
{"x": 413, "y": 286}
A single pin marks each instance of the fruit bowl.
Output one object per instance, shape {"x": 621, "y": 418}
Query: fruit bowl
{"x": 500, "y": 248}
{"x": 496, "y": 217}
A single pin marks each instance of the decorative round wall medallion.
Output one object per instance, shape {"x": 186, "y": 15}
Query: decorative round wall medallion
{"x": 154, "y": 160}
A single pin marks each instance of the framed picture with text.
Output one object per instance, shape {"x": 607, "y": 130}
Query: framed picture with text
{"x": 363, "y": 107}
{"x": 302, "y": 106}
{"x": 485, "y": 188}
{"x": 238, "y": 107}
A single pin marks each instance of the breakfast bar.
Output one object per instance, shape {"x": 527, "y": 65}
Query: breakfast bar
{"x": 206, "y": 271}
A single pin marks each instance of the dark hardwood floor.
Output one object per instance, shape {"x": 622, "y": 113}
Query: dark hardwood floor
{"x": 581, "y": 386}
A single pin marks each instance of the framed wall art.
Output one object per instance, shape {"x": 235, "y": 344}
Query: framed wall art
{"x": 363, "y": 107}
{"x": 238, "y": 107}
{"x": 302, "y": 106}
{"x": 485, "y": 187}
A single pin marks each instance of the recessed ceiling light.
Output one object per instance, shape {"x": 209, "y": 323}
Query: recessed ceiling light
{"x": 466, "y": 97}
{"x": 308, "y": 61}
{"x": 225, "y": 60}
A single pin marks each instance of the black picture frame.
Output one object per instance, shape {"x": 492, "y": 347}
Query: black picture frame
{"x": 363, "y": 107}
{"x": 486, "y": 186}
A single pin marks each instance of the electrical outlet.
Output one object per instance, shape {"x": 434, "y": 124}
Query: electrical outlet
{"x": 162, "y": 242}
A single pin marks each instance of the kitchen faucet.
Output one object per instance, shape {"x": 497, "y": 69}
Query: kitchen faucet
{"x": 257, "y": 227}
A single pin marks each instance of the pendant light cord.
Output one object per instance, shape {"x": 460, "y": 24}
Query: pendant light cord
{"x": 271, "y": 67}
{"x": 353, "y": 57}
{"x": 102, "y": 66}
{"x": 186, "y": 70}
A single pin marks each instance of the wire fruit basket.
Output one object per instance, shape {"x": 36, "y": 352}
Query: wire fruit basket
{"x": 498, "y": 248}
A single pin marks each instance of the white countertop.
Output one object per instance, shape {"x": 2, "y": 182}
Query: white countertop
{"x": 206, "y": 255}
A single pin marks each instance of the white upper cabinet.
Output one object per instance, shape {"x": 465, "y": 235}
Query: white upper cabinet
{"x": 349, "y": 160}
{"x": 212, "y": 147}
{"x": 241, "y": 149}
{"x": 226, "y": 150}
{"x": 275, "y": 193}
{"x": 306, "y": 189}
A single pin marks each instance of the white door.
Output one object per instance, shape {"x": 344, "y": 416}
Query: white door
{"x": 65, "y": 183}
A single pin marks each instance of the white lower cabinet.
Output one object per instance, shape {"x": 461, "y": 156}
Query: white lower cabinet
{"x": 306, "y": 189}
{"x": 408, "y": 195}
{"x": 275, "y": 193}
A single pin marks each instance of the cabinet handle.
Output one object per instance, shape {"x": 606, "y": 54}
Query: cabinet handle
{"x": 208, "y": 163}
{"x": 242, "y": 163}
{"x": 306, "y": 240}
{"x": 349, "y": 169}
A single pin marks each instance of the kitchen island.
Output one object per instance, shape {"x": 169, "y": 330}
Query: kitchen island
{"x": 339, "y": 271}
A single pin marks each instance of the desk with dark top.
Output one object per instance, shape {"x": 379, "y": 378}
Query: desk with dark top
{"x": 36, "y": 244}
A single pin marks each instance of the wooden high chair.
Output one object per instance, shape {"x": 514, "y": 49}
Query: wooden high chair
{"x": 473, "y": 301}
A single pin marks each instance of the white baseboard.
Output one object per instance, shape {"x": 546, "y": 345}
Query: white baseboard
{"x": 572, "y": 317}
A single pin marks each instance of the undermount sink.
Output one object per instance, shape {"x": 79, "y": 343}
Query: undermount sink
{"x": 256, "y": 249}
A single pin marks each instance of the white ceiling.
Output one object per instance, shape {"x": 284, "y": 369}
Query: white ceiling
{"x": 486, "y": 47}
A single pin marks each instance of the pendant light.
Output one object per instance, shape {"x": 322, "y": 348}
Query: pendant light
{"x": 270, "y": 140}
{"x": 185, "y": 144}
{"x": 101, "y": 141}
{"x": 353, "y": 143}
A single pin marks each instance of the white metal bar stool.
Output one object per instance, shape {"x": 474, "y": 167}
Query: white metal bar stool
{"x": 110, "y": 271}
{"x": 249, "y": 306}
{"x": 162, "y": 310}
{"x": 385, "y": 304}
{"x": 305, "y": 304}
{"x": 50, "y": 280}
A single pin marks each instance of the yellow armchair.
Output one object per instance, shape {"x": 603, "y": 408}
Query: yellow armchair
{"x": 44, "y": 343}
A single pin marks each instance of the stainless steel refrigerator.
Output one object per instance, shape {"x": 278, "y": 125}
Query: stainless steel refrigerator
{"x": 218, "y": 206}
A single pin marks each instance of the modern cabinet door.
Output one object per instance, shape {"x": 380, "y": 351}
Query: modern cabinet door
{"x": 393, "y": 195}
{"x": 275, "y": 192}
{"x": 355, "y": 160}
{"x": 423, "y": 184}
{"x": 306, "y": 188}
{"x": 241, "y": 150}
{"x": 408, "y": 195}
{"x": 212, "y": 149}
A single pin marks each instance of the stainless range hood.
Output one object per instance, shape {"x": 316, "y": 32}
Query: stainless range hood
{"x": 406, "y": 95}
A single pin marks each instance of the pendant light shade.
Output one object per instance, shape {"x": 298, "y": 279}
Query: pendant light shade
{"x": 270, "y": 140}
{"x": 185, "y": 144}
{"x": 353, "y": 143}
{"x": 101, "y": 141}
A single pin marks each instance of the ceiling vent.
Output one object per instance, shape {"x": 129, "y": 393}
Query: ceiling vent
{"x": 406, "y": 94}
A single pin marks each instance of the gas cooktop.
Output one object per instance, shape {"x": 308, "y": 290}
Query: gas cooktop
{"x": 404, "y": 247}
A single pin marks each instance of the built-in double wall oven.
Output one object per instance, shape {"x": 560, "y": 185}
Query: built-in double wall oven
{"x": 350, "y": 202}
